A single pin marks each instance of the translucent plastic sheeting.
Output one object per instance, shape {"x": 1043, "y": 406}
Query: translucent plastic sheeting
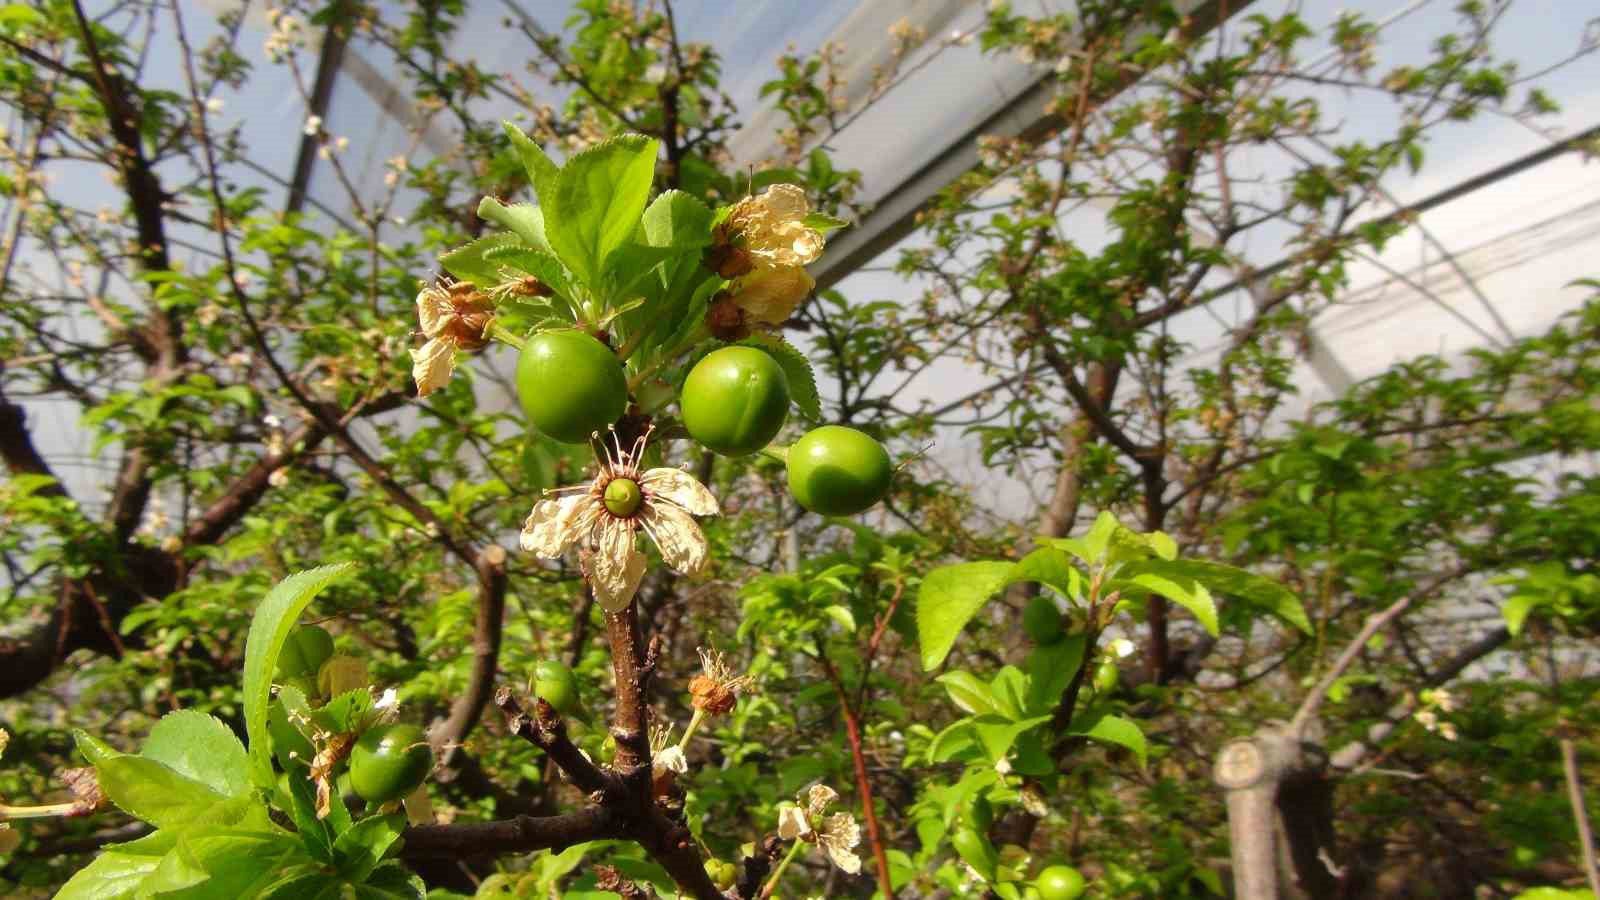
{"x": 1483, "y": 268}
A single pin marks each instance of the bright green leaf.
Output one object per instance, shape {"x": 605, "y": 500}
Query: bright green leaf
{"x": 600, "y": 195}
{"x": 119, "y": 869}
{"x": 362, "y": 847}
{"x": 968, "y": 692}
{"x": 541, "y": 170}
{"x": 948, "y": 599}
{"x": 1051, "y": 566}
{"x": 1517, "y": 609}
{"x": 1258, "y": 591}
{"x": 1050, "y": 670}
{"x": 524, "y": 220}
{"x": 270, "y": 627}
{"x": 679, "y": 220}
{"x": 842, "y": 615}
{"x": 1113, "y": 729}
{"x": 469, "y": 263}
{"x": 1189, "y": 594}
{"x": 200, "y": 747}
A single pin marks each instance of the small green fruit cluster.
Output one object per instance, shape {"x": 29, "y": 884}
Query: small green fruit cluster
{"x": 735, "y": 402}
{"x": 387, "y": 762}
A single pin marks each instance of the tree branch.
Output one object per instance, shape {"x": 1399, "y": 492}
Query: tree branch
{"x": 485, "y": 652}
{"x": 548, "y": 732}
{"x": 523, "y": 834}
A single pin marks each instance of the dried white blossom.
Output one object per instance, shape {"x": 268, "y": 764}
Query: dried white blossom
{"x": 603, "y": 519}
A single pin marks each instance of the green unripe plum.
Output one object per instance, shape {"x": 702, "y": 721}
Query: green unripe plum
{"x": 735, "y": 400}
{"x": 976, "y": 851}
{"x": 838, "y": 471}
{"x": 1041, "y": 621}
{"x": 307, "y": 648}
{"x": 556, "y": 685}
{"x": 1059, "y": 883}
{"x": 1105, "y": 676}
{"x": 570, "y": 385}
{"x": 722, "y": 874}
{"x": 389, "y": 761}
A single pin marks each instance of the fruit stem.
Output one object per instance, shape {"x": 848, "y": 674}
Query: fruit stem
{"x": 694, "y": 722}
{"x": 772, "y": 883}
{"x": 37, "y": 812}
{"x": 505, "y": 335}
{"x": 778, "y": 452}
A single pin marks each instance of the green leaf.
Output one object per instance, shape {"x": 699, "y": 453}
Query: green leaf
{"x": 842, "y": 615}
{"x": 155, "y": 793}
{"x": 600, "y": 195}
{"x": 307, "y": 884}
{"x": 270, "y": 627}
{"x": 1098, "y": 539}
{"x": 1050, "y": 670}
{"x": 119, "y": 869}
{"x": 630, "y": 264}
{"x": 392, "y": 881}
{"x": 541, "y": 170}
{"x": 679, "y": 220}
{"x": 948, "y": 599}
{"x": 951, "y": 742}
{"x": 998, "y": 733}
{"x": 1008, "y": 690}
{"x": 1112, "y": 729}
{"x": 1051, "y": 566}
{"x": 1187, "y": 593}
{"x": 348, "y": 713}
{"x": 968, "y": 692}
{"x": 317, "y": 835}
{"x": 1258, "y": 591}
{"x": 362, "y": 847}
{"x": 524, "y": 220}
{"x": 823, "y": 222}
{"x": 796, "y": 370}
{"x": 201, "y": 748}
{"x": 471, "y": 261}
{"x": 1517, "y": 609}
{"x": 231, "y": 864}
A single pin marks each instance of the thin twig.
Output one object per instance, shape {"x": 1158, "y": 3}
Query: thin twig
{"x": 1580, "y": 814}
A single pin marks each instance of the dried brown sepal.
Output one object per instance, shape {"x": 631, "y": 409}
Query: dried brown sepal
{"x": 607, "y": 878}
{"x": 725, "y": 319}
{"x": 85, "y": 787}
{"x": 336, "y": 748}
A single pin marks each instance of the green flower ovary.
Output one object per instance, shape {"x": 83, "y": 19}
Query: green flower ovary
{"x": 622, "y": 497}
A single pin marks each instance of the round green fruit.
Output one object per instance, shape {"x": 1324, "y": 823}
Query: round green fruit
{"x": 1105, "y": 676}
{"x": 976, "y": 851}
{"x": 389, "y": 761}
{"x": 723, "y": 874}
{"x": 570, "y": 385}
{"x": 556, "y": 685}
{"x": 1059, "y": 883}
{"x": 838, "y": 471}
{"x": 735, "y": 400}
{"x": 307, "y": 648}
{"x": 1041, "y": 620}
